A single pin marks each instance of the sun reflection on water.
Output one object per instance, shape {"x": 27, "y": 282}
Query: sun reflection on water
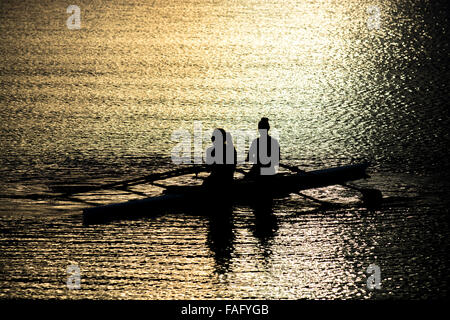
{"x": 103, "y": 101}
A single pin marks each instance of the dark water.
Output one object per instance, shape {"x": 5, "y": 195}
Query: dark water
{"x": 101, "y": 103}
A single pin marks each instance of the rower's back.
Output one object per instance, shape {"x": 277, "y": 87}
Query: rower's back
{"x": 264, "y": 153}
{"x": 221, "y": 157}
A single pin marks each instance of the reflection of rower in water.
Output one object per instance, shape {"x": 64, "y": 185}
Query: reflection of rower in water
{"x": 264, "y": 153}
{"x": 221, "y": 157}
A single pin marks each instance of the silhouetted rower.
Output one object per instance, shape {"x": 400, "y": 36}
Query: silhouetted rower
{"x": 221, "y": 157}
{"x": 264, "y": 152}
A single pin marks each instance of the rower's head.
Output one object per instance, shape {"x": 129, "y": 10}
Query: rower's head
{"x": 263, "y": 125}
{"x": 219, "y": 135}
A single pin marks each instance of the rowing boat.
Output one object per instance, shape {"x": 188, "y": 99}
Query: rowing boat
{"x": 242, "y": 191}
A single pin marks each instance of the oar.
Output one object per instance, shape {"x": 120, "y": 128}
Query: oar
{"x": 371, "y": 197}
{"x": 148, "y": 178}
